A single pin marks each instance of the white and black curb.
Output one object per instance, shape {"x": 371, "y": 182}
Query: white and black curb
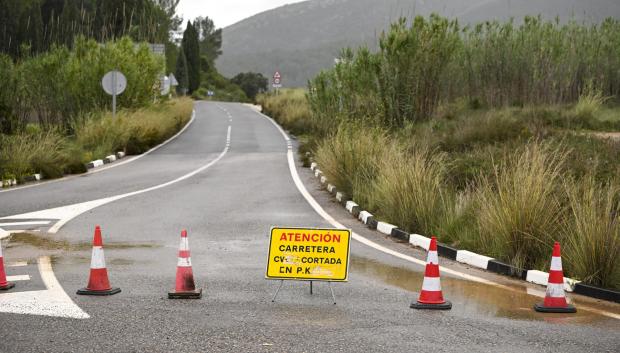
{"x": 462, "y": 256}
{"x": 107, "y": 160}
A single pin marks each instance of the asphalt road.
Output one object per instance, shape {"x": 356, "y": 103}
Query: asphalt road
{"x": 228, "y": 210}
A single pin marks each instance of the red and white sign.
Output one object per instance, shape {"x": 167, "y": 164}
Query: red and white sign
{"x": 277, "y": 75}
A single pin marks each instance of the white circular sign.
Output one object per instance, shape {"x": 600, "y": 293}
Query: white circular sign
{"x": 114, "y": 82}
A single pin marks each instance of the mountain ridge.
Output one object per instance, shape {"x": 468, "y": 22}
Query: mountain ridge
{"x": 302, "y": 38}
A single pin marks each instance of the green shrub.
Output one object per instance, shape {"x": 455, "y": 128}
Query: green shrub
{"x": 351, "y": 160}
{"x": 519, "y": 208}
{"x": 592, "y": 233}
{"x": 410, "y": 189}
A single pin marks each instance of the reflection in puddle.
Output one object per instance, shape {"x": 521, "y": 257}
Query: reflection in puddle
{"x": 479, "y": 299}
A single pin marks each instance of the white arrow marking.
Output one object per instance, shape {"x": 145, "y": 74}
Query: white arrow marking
{"x": 18, "y": 278}
{"x": 51, "y": 302}
{"x": 66, "y": 213}
{"x": 32, "y": 223}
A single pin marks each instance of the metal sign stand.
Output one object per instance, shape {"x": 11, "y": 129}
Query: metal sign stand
{"x": 282, "y": 282}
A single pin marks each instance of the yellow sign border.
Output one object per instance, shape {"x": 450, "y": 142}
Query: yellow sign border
{"x": 346, "y": 270}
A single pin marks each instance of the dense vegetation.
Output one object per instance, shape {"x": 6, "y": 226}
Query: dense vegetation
{"x": 301, "y": 39}
{"x": 34, "y": 26}
{"x": 490, "y": 137}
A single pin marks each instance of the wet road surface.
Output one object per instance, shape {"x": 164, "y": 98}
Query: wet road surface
{"x": 228, "y": 211}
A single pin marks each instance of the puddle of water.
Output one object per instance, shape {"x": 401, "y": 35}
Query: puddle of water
{"x": 47, "y": 243}
{"x": 479, "y": 299}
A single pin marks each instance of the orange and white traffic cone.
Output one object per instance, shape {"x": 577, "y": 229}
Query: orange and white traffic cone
{"x": 185, "y": 287}
{"x": 98, "y": 283}
{"x": 431, "y": 296}
{"x": 555, "y": 299}
{"x": 4, "y": 285}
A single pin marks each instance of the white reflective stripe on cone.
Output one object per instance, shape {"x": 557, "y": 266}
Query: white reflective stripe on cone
{"x": 97, "y": 259}
{"x": 555, "y": 290}
{"x": 184, "y": 262}
{"x": 431, "y": 284}
{"x": 184, "y": 244}
{"x": 556, "y": 264}
{"x": 432, "y": 258}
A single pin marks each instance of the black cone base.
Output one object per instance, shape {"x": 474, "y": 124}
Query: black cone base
{"x": 86, "y": 291}
{"x": 445, "y": 306}
{"x": 569, "y": 309}
{"x": 7, "y": 286}
{"x": 196, "y": 294}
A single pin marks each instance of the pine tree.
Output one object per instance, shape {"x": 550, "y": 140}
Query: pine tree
{"x": 182, "y": 73}
{"x": 191, "y": 49}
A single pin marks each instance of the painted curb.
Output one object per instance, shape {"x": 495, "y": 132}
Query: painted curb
{"x": 473, "y": 259}
{"x": 385, "y": 228}
{"x": 364, "y": 216}
{"x": 463, "y": 256}
{"x": 420, "y": 241}
{"x": 342, "y": 198}
{"x": 400, "y": 234}
{"x": 542, "y": 278}
{"x": 353, "y": 208}
{"x": 331, "y": 189}
{"x": 598, "y": 293}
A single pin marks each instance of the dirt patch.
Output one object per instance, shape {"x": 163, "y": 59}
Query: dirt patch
{"x": 47, "y": 243}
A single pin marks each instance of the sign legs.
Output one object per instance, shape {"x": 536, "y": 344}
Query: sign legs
{"x": 277, "y": 291}
{"x": 331, "y": 289}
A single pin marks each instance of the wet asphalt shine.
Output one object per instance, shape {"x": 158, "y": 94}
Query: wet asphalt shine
{"x": 228, "y": 210}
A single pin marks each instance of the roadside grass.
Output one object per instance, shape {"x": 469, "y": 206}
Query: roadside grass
{"x": 504, "y": 182}
{"x": 53, "y": 155}
{"x": 592, "y": 232}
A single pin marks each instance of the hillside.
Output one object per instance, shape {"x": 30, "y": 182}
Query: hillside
{"x": 301, "y": 39}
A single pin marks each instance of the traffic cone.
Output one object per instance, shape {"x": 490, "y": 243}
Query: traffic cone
{"x": 431, "y": 296}
{"x": 4, "y": 285}
{"x": 555, "y": 299}
{"x": 185, "y": 287}
{"x": 98, "y": 283}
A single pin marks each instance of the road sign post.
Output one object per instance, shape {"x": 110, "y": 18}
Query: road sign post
{"x": 114, "y": 83}
{"x": 277, "y": 81}
{"x": 308, "y": 254}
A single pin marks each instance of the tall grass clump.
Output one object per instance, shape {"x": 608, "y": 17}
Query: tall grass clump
{"x": 352, "y": 157}
{"x": 410, "y": 189}
{"x": 520, "y": 208}
{"x": 290, "y": 109}
{"x": 132, "y": 130}
{"x": 592, "y": 232}
{"x": 27, "y": 153}
{"x": 588, "y": 105}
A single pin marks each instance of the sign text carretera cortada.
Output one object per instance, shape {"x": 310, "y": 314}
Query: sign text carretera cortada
{"x": 309, "y": 254}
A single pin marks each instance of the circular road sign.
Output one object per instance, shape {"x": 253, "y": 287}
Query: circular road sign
{"x": 114, "y": 82}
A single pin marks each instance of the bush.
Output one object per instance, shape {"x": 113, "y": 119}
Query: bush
{"x": 351, "y": 160}
{"x": 410, "y": 189}
{"x": 592, "y": 233}
{"x": 519, "y": 208}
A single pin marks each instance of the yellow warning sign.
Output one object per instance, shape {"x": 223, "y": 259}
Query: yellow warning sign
{"x": 309, "y": 254}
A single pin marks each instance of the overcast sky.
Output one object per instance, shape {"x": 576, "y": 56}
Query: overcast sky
{"x": 227, "y": 12}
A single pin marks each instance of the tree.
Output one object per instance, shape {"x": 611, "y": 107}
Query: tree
{"x": 191, "y": 49}
{"x": 251, "y": 83}
{"x": 209, "y": 37}
{"x": 181, "y": 73}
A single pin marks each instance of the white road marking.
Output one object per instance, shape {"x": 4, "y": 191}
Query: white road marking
{"x": 65, "y": 214}
{"x": 113, "y": 165}
{"x": 30, "y": 223}
{"x": 318, "y": 209}
{"x": 50, "y": 302}
{"x": 18, "y": 278}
